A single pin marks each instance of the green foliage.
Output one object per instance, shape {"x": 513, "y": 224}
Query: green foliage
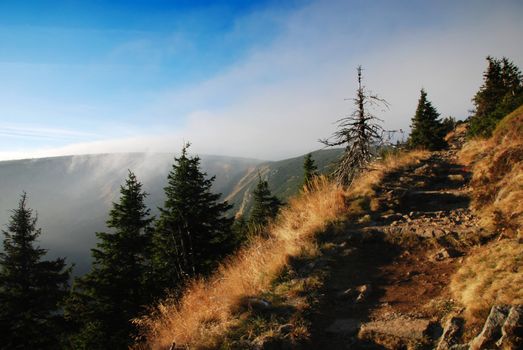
{"x": 265, "y": 205}
{"x": 105, "y": 300}
{"x": 192, "y": 234}
{"x": 427, "y": 130}
{"x": 240, "y": 230}
{"x": 31, "y": 289}
{"x": 310, "y": 170}
{"x": 501, "y": 93}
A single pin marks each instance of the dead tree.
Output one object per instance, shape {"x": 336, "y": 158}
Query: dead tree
{"x": 360, "y": 132}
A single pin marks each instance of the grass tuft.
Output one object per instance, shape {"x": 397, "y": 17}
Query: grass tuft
{"x": 491, "y": 275}
{"x": 497, "y": 180}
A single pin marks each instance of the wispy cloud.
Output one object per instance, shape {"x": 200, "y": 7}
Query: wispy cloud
{"x": 34, "y": 132}
{"x": 277, "y": 100}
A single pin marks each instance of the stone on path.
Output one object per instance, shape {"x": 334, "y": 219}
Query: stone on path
{"x": 400, "y": 327}
{"x": 347, "y": 326}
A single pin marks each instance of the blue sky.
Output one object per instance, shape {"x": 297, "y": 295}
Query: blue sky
{"x": 262, "y": 79}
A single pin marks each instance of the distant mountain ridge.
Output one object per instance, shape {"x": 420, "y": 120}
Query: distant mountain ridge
{"x": 73, "y": 194}
{"x": 285, "y": 178}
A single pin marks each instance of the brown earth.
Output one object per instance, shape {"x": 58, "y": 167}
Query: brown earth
{"x": 394, "y": 271}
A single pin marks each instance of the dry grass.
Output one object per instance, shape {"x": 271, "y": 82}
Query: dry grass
{"x": 203, "y": 315}
{"x": 366, "y": 184}
{"x": 497, "y": 181}
{"x": 205, "y": 310}
{"x": 492, "y": 274}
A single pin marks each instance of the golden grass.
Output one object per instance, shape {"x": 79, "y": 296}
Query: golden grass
{"x": 366, "y": 184}
{"x": 206, "y": 311}
{"x": 492, "y": 274}
{"x": 497, "y": 175}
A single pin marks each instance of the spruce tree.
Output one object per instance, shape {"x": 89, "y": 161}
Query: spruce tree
{"x": 31, "y": 288}
{"x": 240, "y": 230}
{"x": 265, "y": 205}
{"x": 310, "y": 170}
{"x": 105, "y": 300}
{"x": 192, "y": 233}
{"x": 427, "y": 130}
{"x": 501, "y": 92}
{"x": 359, "y": 132}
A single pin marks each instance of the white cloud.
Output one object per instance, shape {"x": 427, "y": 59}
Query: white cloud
{"x": 281, "y": 98}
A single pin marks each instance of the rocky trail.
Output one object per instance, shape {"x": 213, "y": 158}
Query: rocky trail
{"x": 386, "y": 285}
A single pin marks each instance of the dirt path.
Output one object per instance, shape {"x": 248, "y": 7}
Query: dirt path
{"x": 397, "y": 267}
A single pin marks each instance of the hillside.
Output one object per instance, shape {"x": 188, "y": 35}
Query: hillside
{"x": 73, "y": 194}
{"x": 422, "y": 252}
{"x": 285, "y": 178}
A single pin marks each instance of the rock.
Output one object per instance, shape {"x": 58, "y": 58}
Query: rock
{"x": 392, "y": 217}
{"x": 347, "y": 326}
{"x": 421, "y": 170}
{"x": 445, "y": 253}
{"x": 364, "y": 291}
{"x": 460, "y": 347}
{"x": 347, "y": 294}
{"x": 256, "y": 304}
{"x": 286, "y": 328}
{"x": 512, "y": 330}
{"x": 491, "y": 331}
{"x": 269, "y": 343}
{"x": 412, "y": 273}
{"x": 451, "y": 333}
{"x": 400, "y": 327}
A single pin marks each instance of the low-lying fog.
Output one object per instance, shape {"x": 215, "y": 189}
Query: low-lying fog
{"x": 72, "y": 195}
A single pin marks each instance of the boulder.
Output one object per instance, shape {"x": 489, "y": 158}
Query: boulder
{"x": 451, "y": 333}
{"x": 512, "y": 330}
{"x": 491, "y": 331}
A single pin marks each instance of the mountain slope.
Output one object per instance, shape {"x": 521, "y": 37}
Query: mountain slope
{"x": 285, "y": 178}
{"x": 73, "y": 194}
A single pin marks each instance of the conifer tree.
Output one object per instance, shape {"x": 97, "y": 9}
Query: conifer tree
{"x": 501, "y": 92}
{"x": 359, "y": 132}
{"x": 310, "y": 170}
{"x": 105, "y": 300}
{"x": 427, "y": 130}
{"x": 31, "y": 289}
{"x": 265, "y": 205}
{"x": 240, "y": 230}
{"x": 192, "y": 233}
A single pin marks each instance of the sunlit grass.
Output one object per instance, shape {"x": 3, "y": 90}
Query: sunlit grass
{"x": 205, "y": 312}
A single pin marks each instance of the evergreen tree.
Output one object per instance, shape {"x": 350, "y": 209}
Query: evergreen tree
{"x": 359, "y": 132}
{"x": 105, "y": 300}
{"x": 310, "y": 170}
{"x": 240, "y": 230}
{"x": 31, "y": 289}
{"x": 265, "y": 205}
{"x": 192, "y": 234}
{"x": 501, "y": 93}
{"x": 427, "y": 130}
